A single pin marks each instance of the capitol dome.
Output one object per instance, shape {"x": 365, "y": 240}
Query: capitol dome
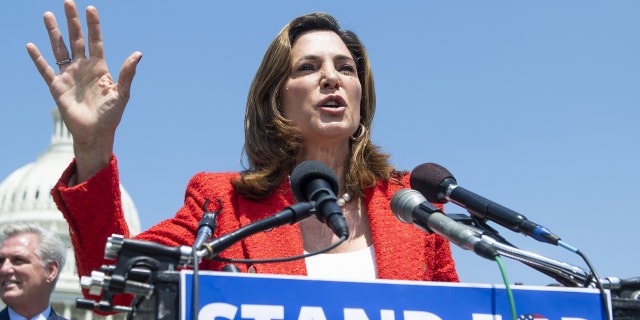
{"x": 25, "y": 198}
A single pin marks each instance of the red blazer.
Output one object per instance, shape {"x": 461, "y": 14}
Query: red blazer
{"x": 93, "y": 211}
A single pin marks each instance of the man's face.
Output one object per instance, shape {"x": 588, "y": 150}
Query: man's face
{"x": 23, "y": 278}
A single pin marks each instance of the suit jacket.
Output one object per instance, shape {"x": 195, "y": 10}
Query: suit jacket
{"x": 4, "y": 315}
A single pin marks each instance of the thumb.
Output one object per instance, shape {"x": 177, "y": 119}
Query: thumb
{"x": 127, "y": 72}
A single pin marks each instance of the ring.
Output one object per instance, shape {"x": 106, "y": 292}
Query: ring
{"x": 63, "y": 62}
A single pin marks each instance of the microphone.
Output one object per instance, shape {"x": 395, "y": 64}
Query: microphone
{"x": 313, "y": 181}
{"x": 438, "y": 185}
{"x": 206, "y": 225}
{"x": 409, "y": 206}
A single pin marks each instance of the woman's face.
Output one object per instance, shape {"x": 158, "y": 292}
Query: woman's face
{"x": 322, "y": 94}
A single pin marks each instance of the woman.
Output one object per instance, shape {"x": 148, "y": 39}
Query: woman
{"x": 312, "y": 98}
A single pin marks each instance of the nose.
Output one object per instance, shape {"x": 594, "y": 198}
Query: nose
{"x": 330, "y": 79}
{"x": 5, "y": 266}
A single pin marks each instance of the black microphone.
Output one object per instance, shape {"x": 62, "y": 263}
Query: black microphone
{"x": 207, "y": 225}
{"x": 313, "y": 181}
{"x": 438, "y": 185}
{"x": 409, "y": 206}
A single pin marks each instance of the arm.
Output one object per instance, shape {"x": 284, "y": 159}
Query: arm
{"x": 93, "y": 211}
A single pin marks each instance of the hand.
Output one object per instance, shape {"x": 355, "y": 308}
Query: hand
{"x": 90, "y": 103}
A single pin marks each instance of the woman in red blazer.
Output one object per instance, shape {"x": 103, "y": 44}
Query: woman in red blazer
{"x": 312, "y": 98}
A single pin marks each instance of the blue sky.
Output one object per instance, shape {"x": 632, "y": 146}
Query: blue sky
{"x": 532, "y": 104}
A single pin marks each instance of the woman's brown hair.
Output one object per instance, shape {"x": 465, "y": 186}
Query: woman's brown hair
{"x": 272, "y": 144}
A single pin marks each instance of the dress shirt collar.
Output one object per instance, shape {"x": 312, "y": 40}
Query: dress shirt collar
{"x": 44, "y": 315}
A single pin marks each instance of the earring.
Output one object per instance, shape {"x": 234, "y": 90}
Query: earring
{"x": 362, "y": 130}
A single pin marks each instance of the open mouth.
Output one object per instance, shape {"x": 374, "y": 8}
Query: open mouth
{"x": 332, "y": 104}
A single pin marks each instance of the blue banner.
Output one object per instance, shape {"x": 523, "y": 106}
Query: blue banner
{"x": 264, "y": 297}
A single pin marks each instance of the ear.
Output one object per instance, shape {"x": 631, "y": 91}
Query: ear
{"x": 53, "y": 268}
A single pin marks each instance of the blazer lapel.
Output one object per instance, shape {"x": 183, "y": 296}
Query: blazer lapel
{"x": 4, "y": 314}
{"x": 392, "y": 239}
{"x": 283, "y": 241}
{"x": 54, "y": 316}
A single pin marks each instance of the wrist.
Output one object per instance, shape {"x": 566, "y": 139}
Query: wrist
{"x": 90, "y": 160}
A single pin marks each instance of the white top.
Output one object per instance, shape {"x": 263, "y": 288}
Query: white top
{"x": 358, "y": 265}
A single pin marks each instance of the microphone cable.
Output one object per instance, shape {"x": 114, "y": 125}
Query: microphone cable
{"x": 512, "y": 303}
{"x": 603, "y": 294}
{"x": 284, "y": 259}
{"x": 594, "y": 274}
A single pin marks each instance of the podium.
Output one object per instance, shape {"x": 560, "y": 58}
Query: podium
{"x": 147, "y": 271}
{"x": 224, "y": 295}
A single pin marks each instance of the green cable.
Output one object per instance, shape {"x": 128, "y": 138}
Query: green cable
{"x": 512, "y": 303}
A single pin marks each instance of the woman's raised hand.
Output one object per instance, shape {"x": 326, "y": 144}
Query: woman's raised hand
{"x": 90, "y": 103}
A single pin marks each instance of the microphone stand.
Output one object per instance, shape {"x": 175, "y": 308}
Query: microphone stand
{"x": 144, "y": 269}
{"x": 479, "y": 224}
{"x": 206, "y": 228}
{"x": 625, "y": 293}
{"x": 566, "y": 274}
{"x": 292, "y": 214}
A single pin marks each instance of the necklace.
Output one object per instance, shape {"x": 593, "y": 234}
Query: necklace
{"x": 344, "y": 199}
{"x": 341, "y": 202}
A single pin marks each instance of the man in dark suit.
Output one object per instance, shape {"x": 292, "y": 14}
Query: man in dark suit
{"x": 31, "y": 259}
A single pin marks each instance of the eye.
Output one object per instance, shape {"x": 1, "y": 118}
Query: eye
{"x": 348, "y": 69}
{"x": 306, "y": 67}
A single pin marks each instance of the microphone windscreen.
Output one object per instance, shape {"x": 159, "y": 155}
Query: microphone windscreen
{"x": 308, "y": 171}
{"x": 427, "y": 178}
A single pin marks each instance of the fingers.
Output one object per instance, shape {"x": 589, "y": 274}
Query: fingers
{"x": 76, "y": 38}
{"x": 96, "y": 46}
{"x": 58, "y": 46}
{"x": 48, "y": 74}
{"x": 127, "y": 72}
